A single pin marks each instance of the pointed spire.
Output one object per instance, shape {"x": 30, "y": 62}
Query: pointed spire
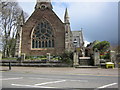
{"x": 66, "y": 13}
{"x": 81, "y": 29}
{"x": 22, "y": 20}
{"x": 81, "y": 32}
{"x": 82, "y": 37}
{"x": 66, "y": 17}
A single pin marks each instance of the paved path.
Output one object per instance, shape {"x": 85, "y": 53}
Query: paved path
{"x": 37, "y": 77}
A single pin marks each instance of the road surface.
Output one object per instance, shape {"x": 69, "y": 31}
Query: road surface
{"x": 59, "y": 78}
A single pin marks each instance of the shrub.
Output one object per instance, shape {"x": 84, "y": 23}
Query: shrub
{"x": 9, "y": 58}
{"x": 67, "y": 57}
{"x": 105, "y": 55}
{"x": 35, "y": 57}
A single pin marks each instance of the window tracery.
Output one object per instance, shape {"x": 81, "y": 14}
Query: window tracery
{"x": 43, "y": 36}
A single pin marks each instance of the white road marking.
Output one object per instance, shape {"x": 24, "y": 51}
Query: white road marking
{"x": 60, "y": 79}
{"x": 50, "y": 82}
{"x": 79, "y": 80}
{"x": 31, "y": 86}
{"x": 11, "y": 78}
{"x": 46, "y": 78}
{"x": 108, "y": 85}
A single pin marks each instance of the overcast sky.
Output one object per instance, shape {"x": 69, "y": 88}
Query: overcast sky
{"x": 99, "y": 20}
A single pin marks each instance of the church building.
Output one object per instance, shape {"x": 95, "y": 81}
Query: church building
{"x": 44, "y": 32}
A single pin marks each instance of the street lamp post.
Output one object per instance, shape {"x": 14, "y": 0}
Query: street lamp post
{"x": 75, "y": 45}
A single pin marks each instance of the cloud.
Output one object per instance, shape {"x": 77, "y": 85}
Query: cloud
{"x": 59, "y": 9}
{"x": 98, "y": 20}
{"x": 86, "y": 43}
{"x": 68, "y": 0}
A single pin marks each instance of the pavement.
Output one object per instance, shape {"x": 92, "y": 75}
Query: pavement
{"x": 64, "y": 70}
{"x": 57, "y": 77}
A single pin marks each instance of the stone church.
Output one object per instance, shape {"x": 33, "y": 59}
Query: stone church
{"x": 44, "y": 32}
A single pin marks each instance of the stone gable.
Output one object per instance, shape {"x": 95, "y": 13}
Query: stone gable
{"x": 58, "y": 30}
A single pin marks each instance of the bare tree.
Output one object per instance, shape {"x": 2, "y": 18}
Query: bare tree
{"x": 10, "y": 22}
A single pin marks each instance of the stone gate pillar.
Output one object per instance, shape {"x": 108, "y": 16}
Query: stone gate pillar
{"x": 113, "y": 58}
{"x": 96, "y": 57}
{"x": 0, "y": 56}
{"x": 75, "y": 59}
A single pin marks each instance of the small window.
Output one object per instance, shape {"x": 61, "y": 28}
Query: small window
{"x": 43, "y": 7}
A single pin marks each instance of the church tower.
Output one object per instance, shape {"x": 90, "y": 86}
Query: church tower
{"x": 68, "y": 33}
{"x": 42, "y": 4}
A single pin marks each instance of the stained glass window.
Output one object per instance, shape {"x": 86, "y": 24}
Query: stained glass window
{"x": 43, "y": 36}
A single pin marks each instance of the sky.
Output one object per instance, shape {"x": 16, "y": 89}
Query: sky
{"x": 98, "y": 18}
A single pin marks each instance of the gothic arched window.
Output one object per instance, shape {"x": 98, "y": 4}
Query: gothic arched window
{"x": 43, "y": 36}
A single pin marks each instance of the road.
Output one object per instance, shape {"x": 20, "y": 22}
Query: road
{"x": 60, "y": 78}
